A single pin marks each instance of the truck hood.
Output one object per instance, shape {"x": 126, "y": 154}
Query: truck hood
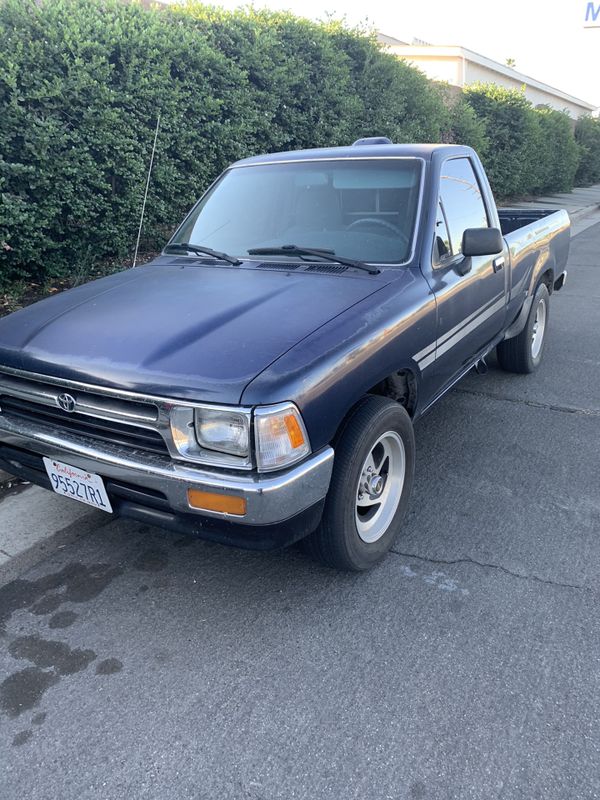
{"x": 177, "y": 329}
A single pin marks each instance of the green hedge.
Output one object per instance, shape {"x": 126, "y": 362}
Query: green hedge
{"x": 80, "y": 87}
{"x": 531, "y": 150}
{"x": 82, "y": 82}
{"x": 587, "y": 135}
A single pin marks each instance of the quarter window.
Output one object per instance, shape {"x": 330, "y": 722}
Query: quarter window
{"x": 463, "y": 205}
{"x": 441, "y": 245}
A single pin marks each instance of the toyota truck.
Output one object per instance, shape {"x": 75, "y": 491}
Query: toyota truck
{"x": 258, "y": 382}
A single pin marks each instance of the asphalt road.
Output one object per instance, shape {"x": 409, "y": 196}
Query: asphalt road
{"x": 139, "y": 664}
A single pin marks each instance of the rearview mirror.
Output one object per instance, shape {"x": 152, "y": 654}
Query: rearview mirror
{"x": 482, "y": 242}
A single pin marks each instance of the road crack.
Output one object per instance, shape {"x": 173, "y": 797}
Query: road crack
{"x": 485, "y": 565}
{"x": 587, "y": 412}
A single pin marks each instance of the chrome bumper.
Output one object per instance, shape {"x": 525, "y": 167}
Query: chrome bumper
{"x": 270, "y": 498}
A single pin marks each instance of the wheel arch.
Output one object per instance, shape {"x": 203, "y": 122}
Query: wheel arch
{"x": 543, "y": 272}
{"x": 401, "y": 386}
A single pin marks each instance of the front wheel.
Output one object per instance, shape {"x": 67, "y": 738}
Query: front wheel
{"x": 370, "y": 486}
{"x": 523, "y": 353}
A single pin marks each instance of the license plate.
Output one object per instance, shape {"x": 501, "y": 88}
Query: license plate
{"x": 77, "y": 484}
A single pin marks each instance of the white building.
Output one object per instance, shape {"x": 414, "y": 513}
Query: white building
{"x": 461, "y": 67}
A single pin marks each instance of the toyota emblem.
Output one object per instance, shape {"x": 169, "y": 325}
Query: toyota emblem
{"x": 67, "y": 402}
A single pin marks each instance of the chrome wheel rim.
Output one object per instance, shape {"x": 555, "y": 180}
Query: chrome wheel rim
{"x": 380, "y": 487}
{"x": 539, "y": 328}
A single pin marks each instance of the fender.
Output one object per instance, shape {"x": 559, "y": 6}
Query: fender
{"x": 515, "y": 328}
{"x": 354, "y": 354}
{"x": 545, "y": 263}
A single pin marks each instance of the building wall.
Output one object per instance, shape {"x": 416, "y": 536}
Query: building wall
{"x": 457, "y": 66}
{"x": 477, "y": 73}
{"x": 443, "y": 68}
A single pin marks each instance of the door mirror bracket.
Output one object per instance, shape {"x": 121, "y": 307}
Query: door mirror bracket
{"x": 464, "y": 265}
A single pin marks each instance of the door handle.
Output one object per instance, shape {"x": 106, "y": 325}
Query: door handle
{"x": 498, "y": 263}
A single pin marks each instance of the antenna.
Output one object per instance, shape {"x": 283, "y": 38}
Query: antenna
{"x": 137, "y": 244}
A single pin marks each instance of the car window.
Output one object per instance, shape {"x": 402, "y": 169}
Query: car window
{"x": 461, "y": 199}
{"x": 360, "y": 208}
{"x": 441, "y": 244}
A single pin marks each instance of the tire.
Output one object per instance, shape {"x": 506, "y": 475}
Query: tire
{"x": 523, "y": 353}
{"x": 357, "y": 530}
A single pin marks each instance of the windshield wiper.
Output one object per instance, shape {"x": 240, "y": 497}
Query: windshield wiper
{"x": 188, "y": 247}
{"x": 294, "y": 249}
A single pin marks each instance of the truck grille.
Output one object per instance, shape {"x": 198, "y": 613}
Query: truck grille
{"x": 96, "y": 416}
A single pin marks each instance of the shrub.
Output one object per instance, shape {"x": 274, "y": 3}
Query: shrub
{"x": 82, "y": 83}
{"x": 462, "y": 125}
{"x": 395, "y": 99}
{"x": 560, "y": 154}
{"x": 513, "y": 132}
{"x": 80, "y": 87}
{"x": 587, "y": 136}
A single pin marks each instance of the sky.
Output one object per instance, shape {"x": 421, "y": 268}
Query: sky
{"x": 547, "y": 38}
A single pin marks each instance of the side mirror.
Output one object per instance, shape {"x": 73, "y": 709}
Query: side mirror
{"x": 482, "y": 242}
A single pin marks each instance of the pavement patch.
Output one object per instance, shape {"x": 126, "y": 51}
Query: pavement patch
{"x": 23, "y": 690}
{"x": 49, "y": 653}
{"x": 35, "y": 522}
{"x": 439, "y": 580}
{"x": 153, "y": 560}
{"x": 78, "y": 583}
{"x": 64, "y": 619}
{"x": 51, "y": 659}
{"x": 21, "y": 738}
{"x": 109, "y": 666}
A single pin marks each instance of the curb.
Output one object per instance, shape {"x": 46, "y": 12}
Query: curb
{"x": 583, "y": 212}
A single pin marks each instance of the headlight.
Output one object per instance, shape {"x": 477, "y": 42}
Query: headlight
{"x": 223, "y": 431}
{"x": 281, "y": 437}
{"x": 214, "y": 435}
{"x": 220, "y": 436}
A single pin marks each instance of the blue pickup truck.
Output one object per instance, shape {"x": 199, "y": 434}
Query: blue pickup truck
{"x": 258, "y": 382}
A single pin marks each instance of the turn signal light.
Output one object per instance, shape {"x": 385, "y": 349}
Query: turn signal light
{"x": 294, "y": 430}
{"x": 281, "y": 437}
{"x": 211, "y": 501}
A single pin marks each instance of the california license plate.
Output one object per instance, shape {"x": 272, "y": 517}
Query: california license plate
{"x": 77, "y": 484}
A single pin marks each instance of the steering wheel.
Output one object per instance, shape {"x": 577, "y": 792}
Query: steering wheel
{"x": 376, "y": 221}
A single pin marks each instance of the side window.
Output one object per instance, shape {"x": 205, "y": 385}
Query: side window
{"x": 441, "y": 243}
{"x": 461, "y": 199}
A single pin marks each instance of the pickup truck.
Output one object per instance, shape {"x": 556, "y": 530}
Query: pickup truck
{"x": 257, "y": 383}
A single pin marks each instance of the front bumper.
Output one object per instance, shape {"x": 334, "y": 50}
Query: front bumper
{"x": 140, "y": 480}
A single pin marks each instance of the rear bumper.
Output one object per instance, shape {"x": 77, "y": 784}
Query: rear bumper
{"x": 280, "y": 507}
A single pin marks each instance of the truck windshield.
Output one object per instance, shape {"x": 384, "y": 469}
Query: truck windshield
{"x": 363, "y": 209}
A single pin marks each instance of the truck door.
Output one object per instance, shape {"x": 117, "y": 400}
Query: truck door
{"x": 470, "y": 292}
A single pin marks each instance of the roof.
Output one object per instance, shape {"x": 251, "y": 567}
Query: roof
{"x": 441, "y": 51}
{"x": 423, "y": 151}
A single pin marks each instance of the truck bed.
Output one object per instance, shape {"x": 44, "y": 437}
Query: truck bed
{"x": 535, "y": 237}
{"x": 513, "y": 218}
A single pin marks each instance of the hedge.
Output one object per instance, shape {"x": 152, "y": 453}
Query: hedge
{"x": 82, "y": 82}
{"x": 531, "y": 150}
{"x": 587, "y": 135}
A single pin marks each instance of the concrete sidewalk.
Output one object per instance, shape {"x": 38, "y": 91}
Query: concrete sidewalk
{"x": 579, "y": 203}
